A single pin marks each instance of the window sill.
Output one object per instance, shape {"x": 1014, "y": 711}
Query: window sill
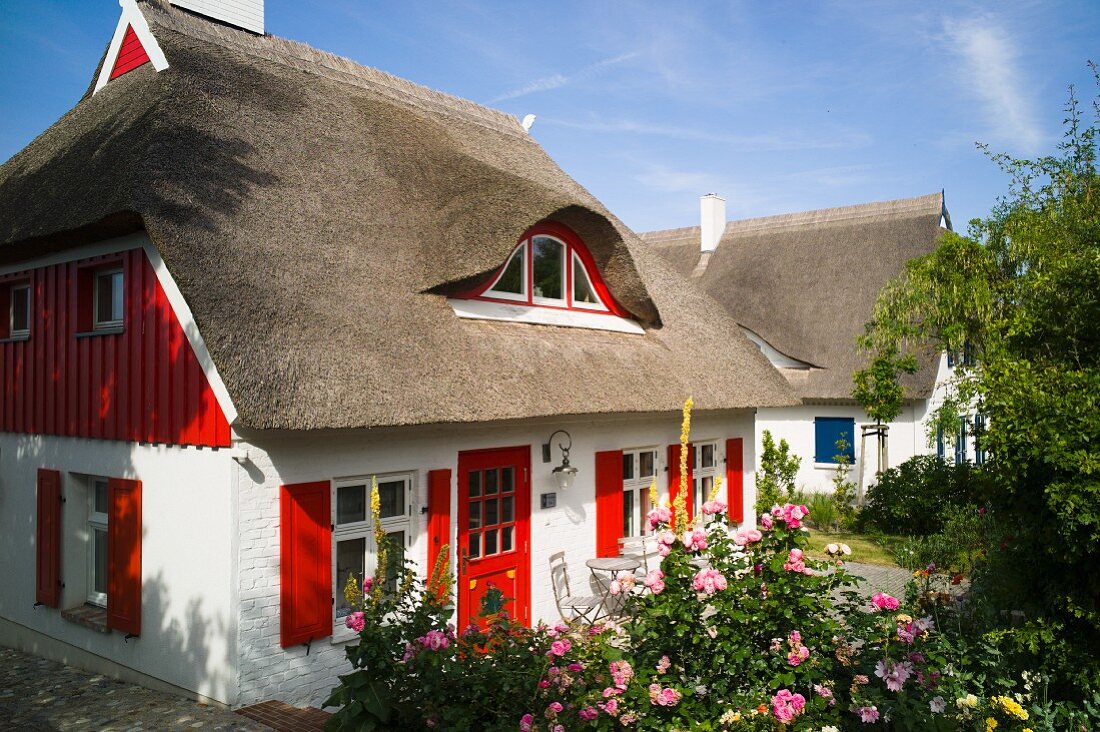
{"x": 831, "y": 466}
{"x": 342, "y": 635}
{"x": 16, "y": 338}
{"x": 113, "y": 330}
{"x": 90, "y": 616}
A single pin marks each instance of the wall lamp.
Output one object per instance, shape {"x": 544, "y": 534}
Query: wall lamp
{"x": 564, "y": 474}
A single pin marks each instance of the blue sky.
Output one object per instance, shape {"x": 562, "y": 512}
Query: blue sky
{"x": 777, "y": 106}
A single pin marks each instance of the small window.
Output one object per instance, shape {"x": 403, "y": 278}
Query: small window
{"x": 547, "y": 270}
{"x": 584, "y": 295}
{"x": 830, "y": 430}
{"x": 97, "y": 541}
{"x": 512, "y": 282}
{"x": 639, "y": 469}
{"x": 20, "y": 311}
{"x": 108, "y": 299}
{"x": 703, "y": 474}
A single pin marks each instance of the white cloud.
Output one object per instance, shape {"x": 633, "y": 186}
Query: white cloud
{"x": 555, "y": 81}
{"x": 992, "y": 72}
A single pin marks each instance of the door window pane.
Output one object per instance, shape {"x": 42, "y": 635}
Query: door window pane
{"x": 350, "y": 558}
{"x": 507, "y": 480}
{"x": 490, "y": 482}
{"x": 512, "y": 279}
{"x": 547, "y": 266}
{"x": 492, "y": 513}
{"x": 475, "y": 545}
{"x": 474, "y": 484}
{"x": 475, "y": 515}
{"x": 506, "y": 539}
{"x": 506, "y": 509}
{"x": 490, "y": 542}
{"x": 351, "y": 504}
{"x": 392, "y": 497}
{"x": 583, "y": 292}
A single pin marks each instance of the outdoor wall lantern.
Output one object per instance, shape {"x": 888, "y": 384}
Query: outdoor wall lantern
{"x": 565, "y": 473}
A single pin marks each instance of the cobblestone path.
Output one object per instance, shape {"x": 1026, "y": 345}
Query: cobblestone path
{"x": 36, "y": 694}
{"x": 891, "y": 580}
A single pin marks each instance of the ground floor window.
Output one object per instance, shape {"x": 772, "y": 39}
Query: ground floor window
{"x": 639, "y": 471}
{"x": 355, "y": 552}
{"x": 828, "y": 431}
{"x": 97, "y": 541}
{"x": 704, "y": 471}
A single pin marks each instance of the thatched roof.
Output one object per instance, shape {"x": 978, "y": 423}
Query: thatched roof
{"x": 315, "y": 213}
{"x": 806, "y": 282}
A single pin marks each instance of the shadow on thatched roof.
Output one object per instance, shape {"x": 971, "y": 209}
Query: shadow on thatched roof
{"x": 315, "y": 213}
{"x": 807, "y": 282}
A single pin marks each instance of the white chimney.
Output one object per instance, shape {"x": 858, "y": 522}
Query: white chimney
{"x": 712, "y": 215}
{"x": 247, "y": 14}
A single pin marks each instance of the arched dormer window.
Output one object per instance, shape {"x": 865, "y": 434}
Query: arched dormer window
{"x": 549, "y": 278}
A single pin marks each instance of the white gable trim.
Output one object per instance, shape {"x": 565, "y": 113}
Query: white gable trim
{"x": 131, "y": 16}
{"x": 484, "y": 310}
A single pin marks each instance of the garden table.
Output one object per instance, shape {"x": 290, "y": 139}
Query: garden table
{"x": 603, "y": 570}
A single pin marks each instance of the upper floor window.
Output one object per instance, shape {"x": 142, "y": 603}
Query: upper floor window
{"x": 107, "y": 299}
{"x": 19, "y": 312}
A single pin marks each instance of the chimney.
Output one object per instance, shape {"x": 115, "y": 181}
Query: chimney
{"x": 247, "y": 14}
{"x": 712, "y": 214}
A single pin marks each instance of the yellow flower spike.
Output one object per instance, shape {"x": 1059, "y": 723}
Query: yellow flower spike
{"x": 353, "y": 591}
{"x": 376, "y": 510}
{"x": 717, "y": 487}
{"x": 679, "y": 506}
{"x": 653, "y": 493}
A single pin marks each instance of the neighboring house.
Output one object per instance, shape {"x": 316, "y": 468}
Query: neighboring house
{"x": 802, "y": 286}
{"x": 245, "y": 278}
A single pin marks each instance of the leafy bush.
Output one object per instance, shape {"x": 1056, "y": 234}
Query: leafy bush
{"x": 823, "y": 510}
{"x": 778, "y": 469}
{"x": 918, "y": 496}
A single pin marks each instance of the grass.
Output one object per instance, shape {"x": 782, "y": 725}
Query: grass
{"x": 864, "y": 548}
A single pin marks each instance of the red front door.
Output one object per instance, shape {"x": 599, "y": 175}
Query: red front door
{"x": 494, "y": 530}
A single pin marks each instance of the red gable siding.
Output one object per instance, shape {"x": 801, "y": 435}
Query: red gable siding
{"x": 131, "y": 54}
{"x": 143, "y": 384}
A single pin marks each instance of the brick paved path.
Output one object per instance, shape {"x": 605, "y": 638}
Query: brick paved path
{"x": 891, "y": 580}
{"x": 36, "y": 694}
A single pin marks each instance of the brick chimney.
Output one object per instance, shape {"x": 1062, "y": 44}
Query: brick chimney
{"x": 712, "y": 215}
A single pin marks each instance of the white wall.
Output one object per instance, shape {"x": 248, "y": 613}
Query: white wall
{"x": 188, "y": 624}
{"x": 269, "y": 671}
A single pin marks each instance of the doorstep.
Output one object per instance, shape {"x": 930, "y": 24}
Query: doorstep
{"x": 282, "y": 717}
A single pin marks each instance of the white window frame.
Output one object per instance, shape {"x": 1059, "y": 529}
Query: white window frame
{"x": 14, "y": 332}
{"x": 639, "y": 487}
{"x": 574, "y": 262}
{"x": 111, "y": 323}
{"x": 698, "y": 473}
{"x": 521, "y": 296}
{"x": 365, "y": 530}
{"x": 97, "y": 521}
{"x": 566, "y": 284}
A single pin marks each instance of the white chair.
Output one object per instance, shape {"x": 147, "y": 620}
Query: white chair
{"x": 570, "y": 607}
{"x": 639, "y": 548}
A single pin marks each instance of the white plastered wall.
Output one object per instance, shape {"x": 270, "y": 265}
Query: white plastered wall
{"x": 270, "y": 671}
{"x": 189, "y": 618}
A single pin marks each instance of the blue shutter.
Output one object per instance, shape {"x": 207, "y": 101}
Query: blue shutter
{"x": 827, "y": 430}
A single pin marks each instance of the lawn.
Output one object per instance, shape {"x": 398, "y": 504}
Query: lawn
{"x": 864, "y": 548}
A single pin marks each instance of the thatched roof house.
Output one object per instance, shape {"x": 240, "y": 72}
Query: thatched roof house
{"x": 805, "y": 283}
{"x": 316, "y": 213}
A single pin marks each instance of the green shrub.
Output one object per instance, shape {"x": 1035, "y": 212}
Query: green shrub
{"x": 823, "y": 512}
{"x": 778, "y": 469}
{"x": 919, "y": 496}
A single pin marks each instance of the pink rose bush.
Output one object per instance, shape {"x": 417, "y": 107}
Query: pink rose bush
{"x": 786, "y": 706}
{"x": 882, "y": 601}
{"x": 709, "y": 581}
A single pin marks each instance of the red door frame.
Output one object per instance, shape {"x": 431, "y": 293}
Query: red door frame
{"x": 519, "y": 558}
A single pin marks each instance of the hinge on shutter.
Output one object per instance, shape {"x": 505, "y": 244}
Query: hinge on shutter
{"x": 308, "y": 644}
{"x": 127, "y": 637}
{"x": 38, "y": 603}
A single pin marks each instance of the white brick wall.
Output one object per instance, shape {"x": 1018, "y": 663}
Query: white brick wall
{"x": 270, "y": 671}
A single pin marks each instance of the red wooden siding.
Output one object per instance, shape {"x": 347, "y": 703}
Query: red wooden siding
{"x": 124, "y": 555}
{"x": 143, "y": 384}
{"x": 131, "y": 54}
{"x": 609, "y": 502}
{"x": 674, "y": 477}
{"x": 305, "y": 556}
{"x": 735, "y": 478}
{"x": 439, "y": 516}
{"x": 48, "y": 539}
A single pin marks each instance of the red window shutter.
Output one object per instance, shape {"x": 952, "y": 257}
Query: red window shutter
{"x": 735, "y": 478}
{"x": 48, "y": 539}
{"x": 305, "y": 573}
{"x": 609, "y": 502}
{"x": 439, "y": 515}
{"x": 124, "y": 555}
{"x": 674, "y": 476}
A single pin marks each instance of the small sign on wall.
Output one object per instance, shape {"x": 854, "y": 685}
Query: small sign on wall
{"x": 548, "y": 500}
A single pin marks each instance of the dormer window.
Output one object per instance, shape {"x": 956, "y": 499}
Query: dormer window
{"x": 19, "y": 320}
{"x": 108, "y": 299}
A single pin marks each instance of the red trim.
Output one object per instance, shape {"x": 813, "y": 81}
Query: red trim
{"x": 47, "y": 588}
{"x": 735, "y": 478}
{"x": 439, "y": 517}
{"x": 674, "y": 477}
{"x": 131, "y": 54}
{"x": 609, "y": 502}
{"x": 124, "y": 555}
{"x": 573, "y": 244}
{"x": 305, "y": 569}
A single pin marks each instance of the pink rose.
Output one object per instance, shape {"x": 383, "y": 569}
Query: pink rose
{"x": 560, "y": 647}
{"x": 611, "y": 706}
{"x": 654, "y": 580}
{"x": 882, "y": 601}
{"x": 588, "y": 714}
{"x": 868, "y": 715}
{"x": 695, "y": 540}
{"x": 710, "y": 508}
{"x": 525, "y": 723}
{"x": 786, "y": 706}
{"x": 368, "y": 583}
{"x": 709, "y": 580}
{"x": 659, "y": 515}
{"x": 766, "y": 521}
{"x": 355, "y": 621}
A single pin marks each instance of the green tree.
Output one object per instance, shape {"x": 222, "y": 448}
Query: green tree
{"x": 1023, "y": 290}
{"x": 778, "y": 469}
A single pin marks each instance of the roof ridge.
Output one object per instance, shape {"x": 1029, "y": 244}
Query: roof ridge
{"x": 659, "y": 235}
{"x": 897, "y": 206}
{"x": 303, "y": 57}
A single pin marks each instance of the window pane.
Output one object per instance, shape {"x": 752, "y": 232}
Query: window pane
{"x": 704, "y": 490}
{"x": 511, "y": 280}
{"x": 549, "y": 256}
{"x": 475, "y": 545}
{"x": 475, "y": 515}
{"x": 351, "y": 504}
{"x": 646, "y": 462}
{"x": 490, "y": 542}
{"x": 628, "y": 466}
{"x": 475, "y": 484}
{"x": 392, "y": 497}
{"x": 395, "y": 559}
{"x": 116, "y": 296}
{"x": 99, "y": 487}
{"x": 492, "y": 513}
{"x": 628, "y": 513}
{"x": 20, "y": 308}
{"x": 350, "y": 558}
{"x": 506, "y": 539}
{"x": 507, "y": 480}
{"x": 706, "y": 456}
{"x": 506, "y": 509}
{"x": 582, "y": 288}
{"x": 491, "y": 482}
{"x": 99, "y": 562}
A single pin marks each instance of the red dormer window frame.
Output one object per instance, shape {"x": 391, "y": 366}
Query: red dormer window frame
{"x": 573, "y": 246}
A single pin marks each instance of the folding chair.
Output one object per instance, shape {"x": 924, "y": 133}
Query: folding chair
{"x": 570, "y": 606}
